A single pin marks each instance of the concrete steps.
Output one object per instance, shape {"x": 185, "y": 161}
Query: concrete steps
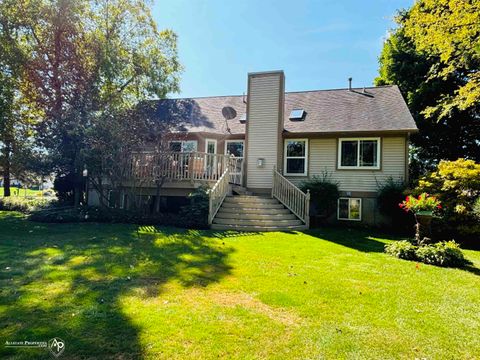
{"x": 255, "y": 213}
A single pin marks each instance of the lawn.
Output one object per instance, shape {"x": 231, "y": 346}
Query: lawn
{"x": 128, "y": 292}
{"x": 14, "y": 191}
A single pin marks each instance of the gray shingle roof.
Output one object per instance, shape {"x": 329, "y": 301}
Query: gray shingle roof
{"x": 378, "y": 109}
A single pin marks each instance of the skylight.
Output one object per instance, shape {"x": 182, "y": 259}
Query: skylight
{"x": 297, "y": 114}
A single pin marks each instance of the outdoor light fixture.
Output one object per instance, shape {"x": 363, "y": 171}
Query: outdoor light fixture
{"x": 85, "y": 173}
{"x": 260, "y": 162}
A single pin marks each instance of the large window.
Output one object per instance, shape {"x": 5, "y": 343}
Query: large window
{"x": 359, "y": 153}
{"x": 350, "y": 209}
{"x": 296, "y": 157}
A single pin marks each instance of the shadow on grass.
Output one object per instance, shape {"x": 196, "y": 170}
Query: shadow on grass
{"x": 71, "y": 281}
{"x": 358, "y": 239}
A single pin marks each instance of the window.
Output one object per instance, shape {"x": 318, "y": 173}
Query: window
{"x": 361, "y": 153}
{"x": 350, "y": 209}
{"x": 183, "y": 146}
{"x": 211, "y": 146}
{"x": 296, "y": 155}
{"x": 234, "y": 147}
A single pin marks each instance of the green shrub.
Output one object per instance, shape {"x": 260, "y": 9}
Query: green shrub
{"x": 457, "y": 185}
{"x": 445, "y": 253}
{"x": 390, "y": 195}
{"x": 111, "y": 215}
{"x": 22, "y": 204}
{"x": 401, "y": 249}
{"x": 476, "y": 208}
{"x": 197, "y": 210}
{"x": 324, "y": 194}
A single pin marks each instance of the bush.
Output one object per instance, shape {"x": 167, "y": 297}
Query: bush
{"x": 390, "y": 194}
{"x": 445, "y": 253}
{"x": 401, "y": 249}
{"x": 111, "y": 215}
{"x": 457, "y": 185}
{"x": 476, "y": 208}
{"x": 324, "y": 194}
{"x": 197, "y": 210}
{"x": 24, "y": 205}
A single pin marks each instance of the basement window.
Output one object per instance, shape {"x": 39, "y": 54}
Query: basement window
{"x": 297, "y": 114}
{"x": 349, "y": 209}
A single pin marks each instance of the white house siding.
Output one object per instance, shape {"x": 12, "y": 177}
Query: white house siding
{"x": 323, "y": 158}
{"x": 263, "y": 129}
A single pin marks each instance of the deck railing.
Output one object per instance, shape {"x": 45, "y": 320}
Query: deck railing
{"x": 217, "y": 194}
{"x": 292, "y": 197}
{"x": 178, "y": 166}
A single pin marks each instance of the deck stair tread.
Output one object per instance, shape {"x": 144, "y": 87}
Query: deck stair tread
{"x": 255, "y": 213}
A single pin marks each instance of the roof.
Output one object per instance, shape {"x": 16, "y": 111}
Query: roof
{"x": 327, "y": 111}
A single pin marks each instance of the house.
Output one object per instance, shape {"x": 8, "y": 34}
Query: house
{"x": 259, "y": 147}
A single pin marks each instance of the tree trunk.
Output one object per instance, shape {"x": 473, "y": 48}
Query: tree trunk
{"x": 6, "y": 171}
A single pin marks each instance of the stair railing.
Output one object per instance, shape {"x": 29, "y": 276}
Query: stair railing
{"x": 217, "y": 194}
{"x": 291, "y": 196}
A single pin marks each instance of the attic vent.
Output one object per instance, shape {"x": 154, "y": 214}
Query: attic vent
{"x": 297, "y": 115}
{"x": 243, "y": 118}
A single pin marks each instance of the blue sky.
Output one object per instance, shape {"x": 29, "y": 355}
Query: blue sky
{"x": 319, "y": 44}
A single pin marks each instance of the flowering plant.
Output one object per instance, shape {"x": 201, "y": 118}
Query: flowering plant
{"x": 424, "y": 202}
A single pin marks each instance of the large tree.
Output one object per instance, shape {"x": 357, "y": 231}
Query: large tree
{"x": 88, "y": 63}
{"x": 443, "y": 134}
{"x": 16, "y": 118}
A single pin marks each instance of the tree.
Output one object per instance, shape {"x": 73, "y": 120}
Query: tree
{"x": 449, "y": 30}
{"x": 16, "y": 119}
{"x": 450, "y": 137}
{"x": 89, "y": 62}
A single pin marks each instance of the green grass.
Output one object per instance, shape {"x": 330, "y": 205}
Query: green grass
{"x": 123, "y": 292}
{"x": 14, "y": 191}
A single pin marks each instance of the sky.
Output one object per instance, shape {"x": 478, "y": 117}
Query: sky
{"x": 319, "y": 44}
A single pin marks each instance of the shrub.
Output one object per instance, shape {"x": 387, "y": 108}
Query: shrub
{"x": 457, "y": 185}
{"x": 197, "y": 210}
{"x": 111, "y": 215}
{"x": 401, "y": 249}
{"x": 390, "y": 194}
{"x": 22, "y": 204}
{"x": 445, "y": 253}
{"x": 476, "y": 208}
{"x": 324, "y": 194}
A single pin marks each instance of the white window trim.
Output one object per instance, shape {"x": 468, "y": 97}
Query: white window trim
{"x": 285, "y": 157}
{"x": 183, "y": 141}
{"x": 235, "y": 141}
{"x": 379, "y": 155}
{"x": 206, "y": 145}
{"x": 349, "y": 199}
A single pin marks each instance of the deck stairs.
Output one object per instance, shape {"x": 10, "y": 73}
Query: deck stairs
{"x": 255, "y": 213}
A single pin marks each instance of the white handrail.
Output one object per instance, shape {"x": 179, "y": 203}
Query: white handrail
{"x": 217, "y": 194}
{"x": 194, "y": 166}
{"x": 292, "y": 197}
